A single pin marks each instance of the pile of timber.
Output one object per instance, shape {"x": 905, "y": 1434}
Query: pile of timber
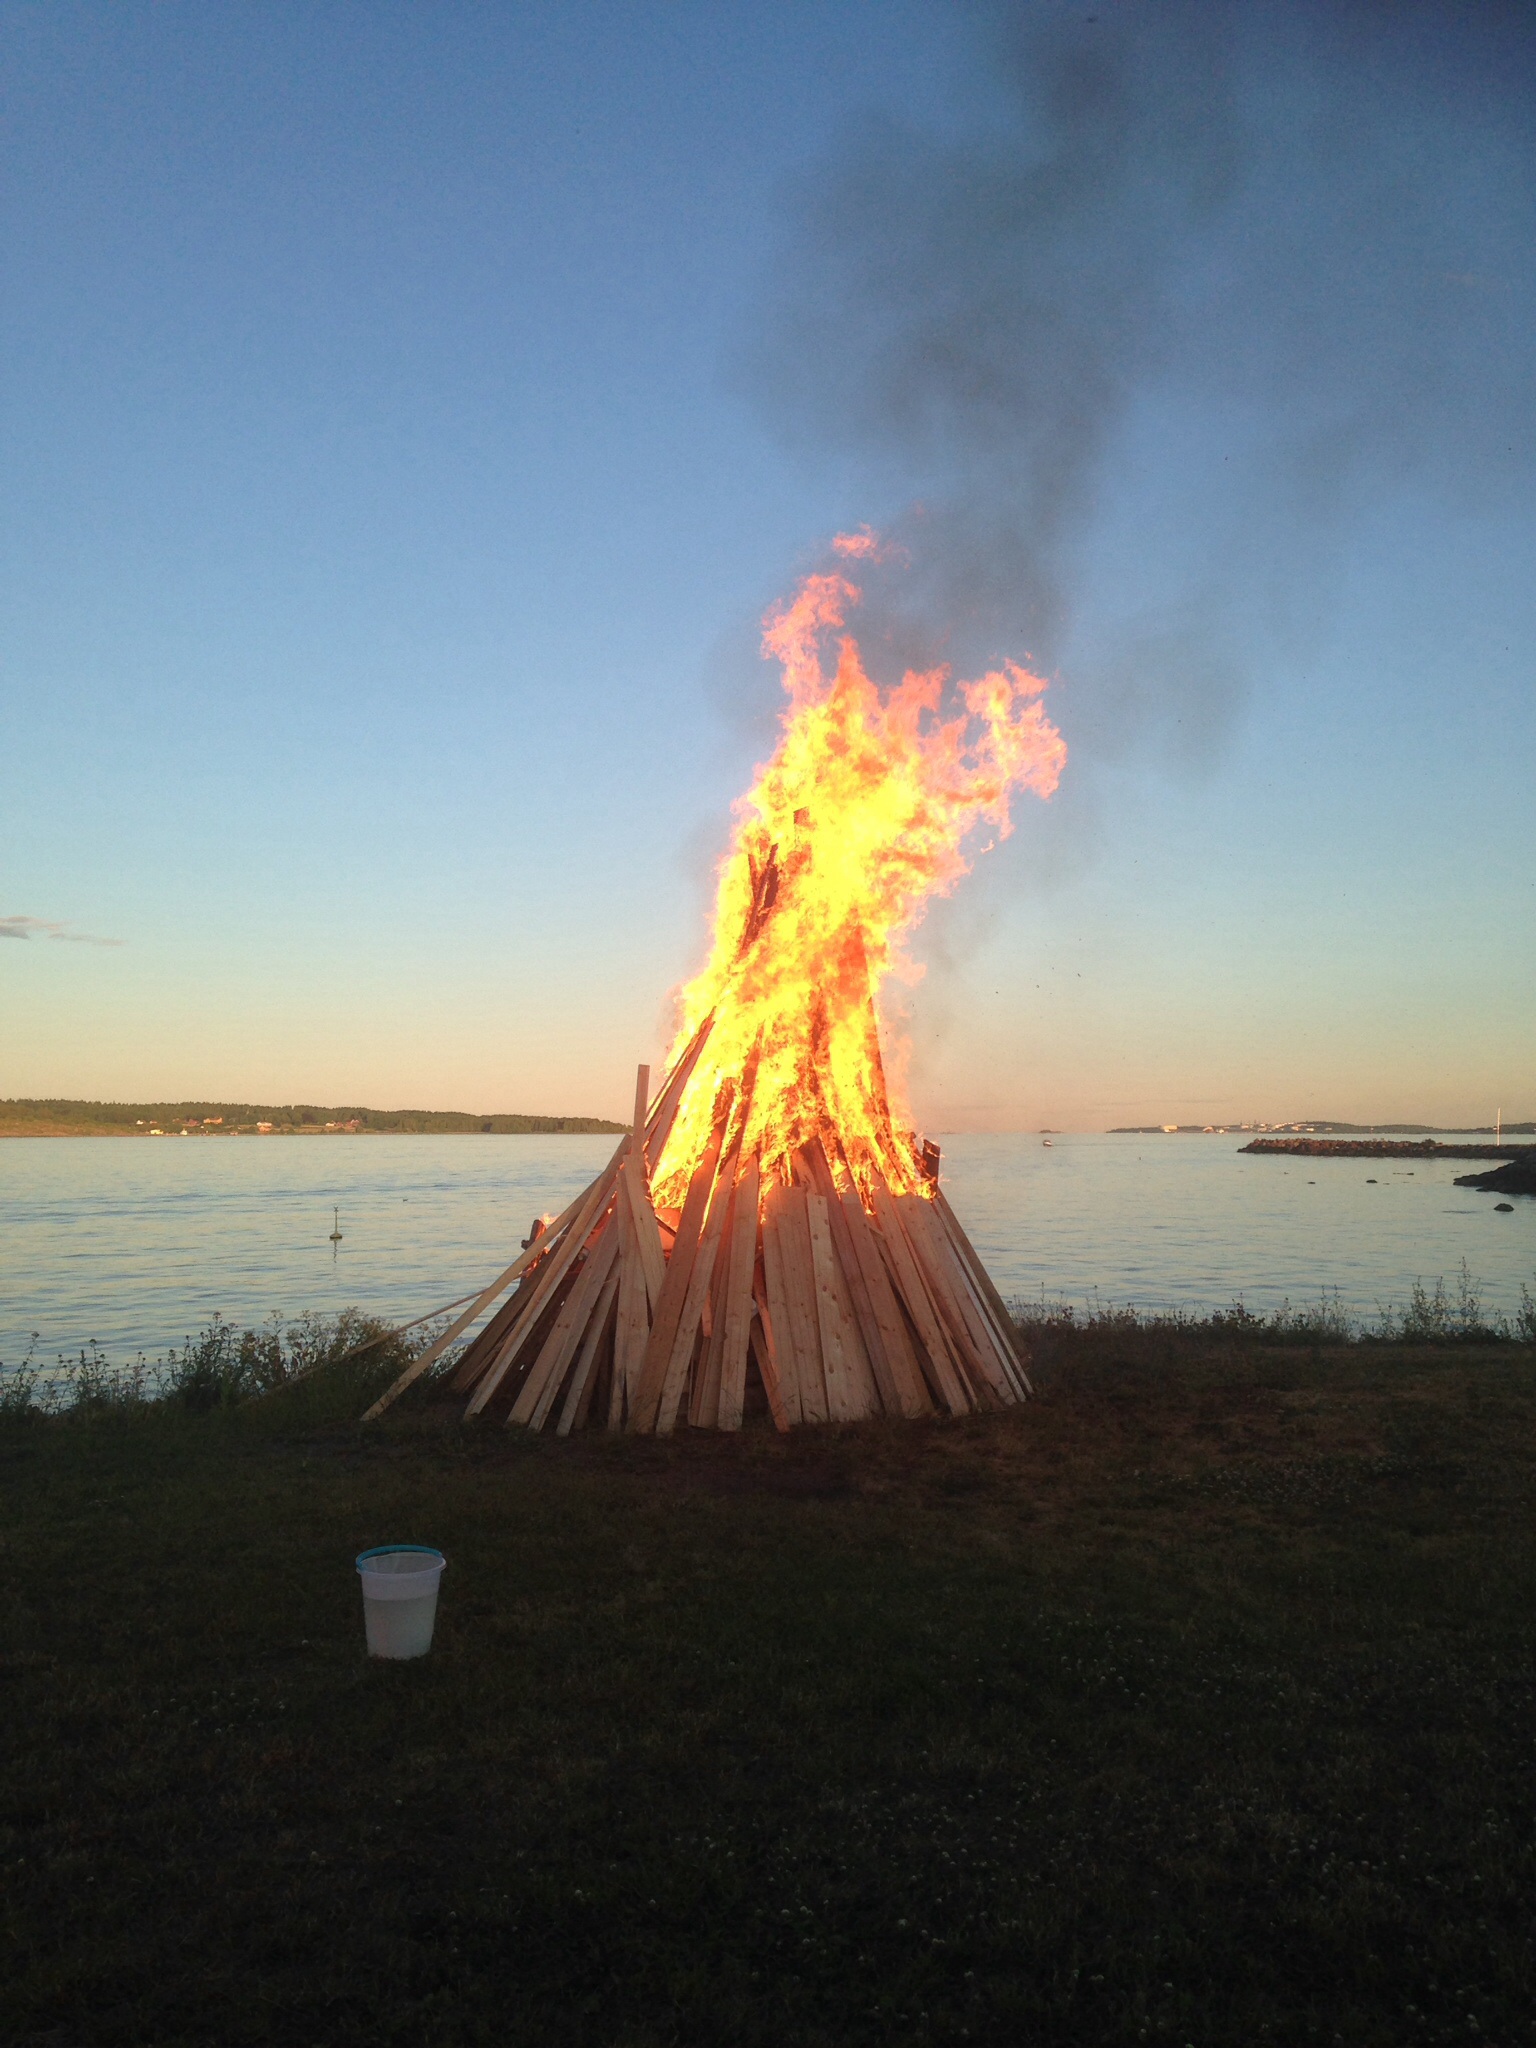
{"x": 622, "y": 1315}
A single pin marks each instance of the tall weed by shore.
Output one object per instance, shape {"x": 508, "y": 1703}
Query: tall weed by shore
{"x": 1434, "y": 1315}
{"x": 313, "y": 1368}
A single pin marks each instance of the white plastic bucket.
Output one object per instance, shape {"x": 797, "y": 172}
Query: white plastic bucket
{"x": 400, "y": 1597}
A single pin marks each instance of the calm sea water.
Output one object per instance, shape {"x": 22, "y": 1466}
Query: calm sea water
{"x": 137, "y": 1243}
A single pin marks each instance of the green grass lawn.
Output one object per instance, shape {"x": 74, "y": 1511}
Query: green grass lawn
{"x": 1194, "y": 1704}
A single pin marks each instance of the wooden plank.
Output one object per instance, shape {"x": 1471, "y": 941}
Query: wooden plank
{"x": 674, "y": 1291}
{"x": 637, "y": 1191}
{"x": 740, "y": 1266}
{"x": 837, "y": 1338}
{"x": 940, "y": 1282}
{"x": 794, "y": 1235}
{"x": 979, "y": 1315}
{"x": 554, "y": 1272}
{"x": 699, "y": 1281}
{"x": 578, "y": 1395}
{"x": 932, "y": 1342}
{"x": 912, "y": 1389}
{"x": 774, "y": 1306}
{"x": 637, "y": 1122}
{"x": 674, "y": 1372}
{"x": 531, "y": 1301}
{"x": 1006, "y": 1326}
{"x": 862, "y": 1313}
{"x": 766, "y": 1356}
{"x": 861, "y": 1395}
{"x": 975, "y": 1305}
{"x": 664, "y": 1113}
{"x": 911, "y": 1396}
{"x": 617, "y": 1391}
{"x": 483, "y": 1300}
{"x": 594, "y": 1403}
{"x": 537, "y": 1395}
{"x": 562, "y": 1336}
{"x": 487, "y": 1346}
{"x": 483, "y": 1348}
{"x": 647, "y": 1239}
{"x": 632, "y": 1328}
{"x": 949, "y": 1387}
{"x": 973, "y": 1346}
{"x": 704, "y": 1391}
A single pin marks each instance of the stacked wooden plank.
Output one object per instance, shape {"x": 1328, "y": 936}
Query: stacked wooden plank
{"x": 789, "y": 1290}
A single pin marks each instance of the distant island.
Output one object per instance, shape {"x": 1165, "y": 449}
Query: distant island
{"x": 1317, "y": 1127}
{"x": 57, "y": 1118}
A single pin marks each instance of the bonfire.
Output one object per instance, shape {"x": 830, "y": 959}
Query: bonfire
{"x": 771, "y": 1232}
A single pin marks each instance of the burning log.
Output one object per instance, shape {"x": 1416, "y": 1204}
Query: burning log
{"x": 810, "y": 1260}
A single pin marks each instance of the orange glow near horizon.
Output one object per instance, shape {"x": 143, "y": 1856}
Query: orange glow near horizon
{"x": 860, "y": 817}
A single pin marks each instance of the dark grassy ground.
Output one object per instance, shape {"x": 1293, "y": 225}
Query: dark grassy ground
{"x": 1196, "y": 1704}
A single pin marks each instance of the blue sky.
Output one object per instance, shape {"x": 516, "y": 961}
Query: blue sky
{"x": 402, "y": 432}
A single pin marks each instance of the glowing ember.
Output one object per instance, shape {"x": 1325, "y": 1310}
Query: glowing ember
{"x": 862, "y": 814}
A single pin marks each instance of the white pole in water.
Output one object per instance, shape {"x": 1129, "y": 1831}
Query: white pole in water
{"x": 1498, "y": 1127}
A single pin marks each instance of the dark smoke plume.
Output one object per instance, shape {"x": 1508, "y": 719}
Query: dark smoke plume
{"x": 1271, "y": 262}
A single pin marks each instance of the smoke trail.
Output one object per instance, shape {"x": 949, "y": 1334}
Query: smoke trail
{"x": 1263, "y": 264}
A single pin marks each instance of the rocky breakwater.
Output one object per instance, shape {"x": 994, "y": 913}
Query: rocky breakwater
{"x": 1386, "y": 1148}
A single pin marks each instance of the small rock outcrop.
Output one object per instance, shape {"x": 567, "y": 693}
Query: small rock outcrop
{"x": 1517, "y": 1177}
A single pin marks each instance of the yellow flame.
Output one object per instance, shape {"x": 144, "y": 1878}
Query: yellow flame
{"x": 860, "y": 817}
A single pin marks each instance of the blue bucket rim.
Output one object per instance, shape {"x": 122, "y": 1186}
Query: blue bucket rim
{"x": 394, "y": 1549}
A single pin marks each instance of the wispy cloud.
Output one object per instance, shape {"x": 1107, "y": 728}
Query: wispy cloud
{"x": 47, "y": 928}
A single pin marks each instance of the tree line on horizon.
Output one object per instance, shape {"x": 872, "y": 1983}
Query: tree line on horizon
{"x": 58, "y": 1116}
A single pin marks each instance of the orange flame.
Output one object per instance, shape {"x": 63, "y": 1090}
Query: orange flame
{"x": 861, "y": 815}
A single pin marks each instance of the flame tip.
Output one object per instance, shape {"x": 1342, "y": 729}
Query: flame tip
{"x": 863, "y": 813}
